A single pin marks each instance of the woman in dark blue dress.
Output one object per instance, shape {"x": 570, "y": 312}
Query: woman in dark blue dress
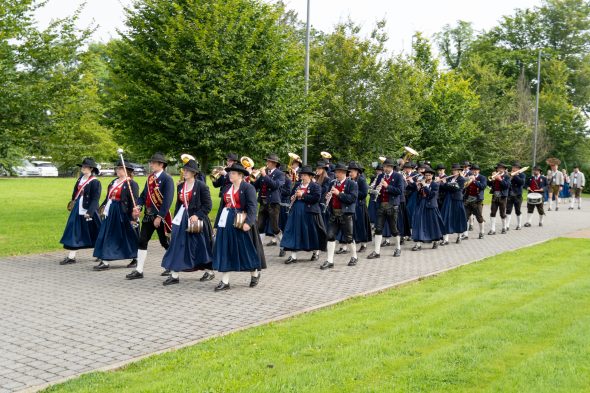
{"x": 372, "y": 208}
{"x": 83, "y": 222}
{"x": 118, "y": 236}
{"x": 453, "y": 208}
{"x": 305, "y": 230}
{"x": 190, "y": 249}
{"x": 237, "y": 243}
{"x": 285, "y": 200}
{"x": 362, "y": 224}
{"x": 427, "y": 224}
{"x": 322, "y": 178}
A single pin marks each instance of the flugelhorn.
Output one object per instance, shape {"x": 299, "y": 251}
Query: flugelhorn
{"x": 216, "y": 172}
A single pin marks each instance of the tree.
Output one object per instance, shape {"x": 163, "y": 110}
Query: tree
{"x": 207, "y": 77}
{"x": 453, "y": 42}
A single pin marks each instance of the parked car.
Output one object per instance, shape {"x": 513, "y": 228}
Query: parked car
{"x": 138, "y": 170}
{"x": 106, "y": 169}
{"x": 26, "y": 169}
{"x": 45, "y": 168}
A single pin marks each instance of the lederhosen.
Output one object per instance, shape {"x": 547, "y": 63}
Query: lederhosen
{"x": 268, "y": 211}
{"x": 473, "y": 206}
{"x": 386, "y": 210}
{"x": 152, "y": 206}
{"x": 535, "y": 185}
{"x": 338, "y": 220}
{"x": 514, "y": 200}
{"x": 498, "y": 201}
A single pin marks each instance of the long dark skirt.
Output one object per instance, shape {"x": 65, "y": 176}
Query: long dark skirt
{"x": 117, "y": 239}
{"x": 236, "y": 250}
{"x": 372, "y": 210}
{"x": 283, "y": 217}
{"x": 304, "y": 231}
{"x": 404, "y": 224}
{"x": 411, "y": 202}
{"x": 427, "y": 224}
{"x": 80, "y": 233}
{"x": 189, "y": 251}
{"x": 453, "y": 216}
{"x": 361, "y": 224}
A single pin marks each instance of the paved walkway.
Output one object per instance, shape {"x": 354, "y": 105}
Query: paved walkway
{"x": 61, "y": 321}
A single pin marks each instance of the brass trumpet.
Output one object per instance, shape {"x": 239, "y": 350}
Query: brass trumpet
{"x": 216, "y": 173}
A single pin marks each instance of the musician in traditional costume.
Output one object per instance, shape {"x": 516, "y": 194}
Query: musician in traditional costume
{"x": 453, "y": 211}
{"x": 362, "y": 226}
{"x": 269, "y": 186}
{"x": 119, "y": 231}
{"x": 156, "y": 198}
{"x": 577, "y": 184}
{"x": 223, "y": 180}
{"x": 237, "y": 244}
{"x": 499, "y": 188}
{"x": 427, "y": 224}
{"x": 191, "y": 241}
{"x": 466, "y": 173}
{"x": 322, "y": 178}
{"x": 473, "y": 196}
{"x": 556, "y": 181}
{"x": 341, "y": 202}
{"x": 410, "y": 174}
{"x": 515, "y": 196}
{"x": 440, "y": 174}
{"x": 372, "y": 208}
{"x": 535, "y": 184}
{"x": 305, "y": 230}
{"x": 391, "y": 186}
{"x": 285, "y": 204}
{"x": 83, "y": 223}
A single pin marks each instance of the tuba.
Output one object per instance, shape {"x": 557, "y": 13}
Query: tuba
{"x": 247, "y": 162}
{"x": 326, "y": 155}
{"x": 292, "y": 158}
{"x": 408, "y": 154}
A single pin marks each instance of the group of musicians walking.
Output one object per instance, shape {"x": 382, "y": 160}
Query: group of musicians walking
{"x": 299, "y": 208}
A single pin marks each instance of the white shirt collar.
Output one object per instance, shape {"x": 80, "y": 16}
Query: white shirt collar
{"x": 157, "y": 174}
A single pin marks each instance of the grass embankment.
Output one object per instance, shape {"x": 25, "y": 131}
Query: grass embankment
{"x": 517, "y": 322}
{"x": 33, "y": 212}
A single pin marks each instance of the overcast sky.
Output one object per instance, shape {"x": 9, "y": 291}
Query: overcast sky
{"x": 403, "y": 17}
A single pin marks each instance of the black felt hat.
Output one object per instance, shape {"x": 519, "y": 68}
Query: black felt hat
{"x": 456, "y": 167}
{"x": 428, "y": 169}
{"x": 340, "y": 167}
{"x": 89, "y": 162}
{"x": 440, "y": 166}
{"x": 159, "y": 157}
{"x": 306, "y": 170}
{"x": 192, "y": 166}
{"x": 355, "y": 165}
{"x": 237, "y": 167}
{"x": 274, "y": 158}
{"x": 231, "y": 157}
{"x": 127, "y": 165}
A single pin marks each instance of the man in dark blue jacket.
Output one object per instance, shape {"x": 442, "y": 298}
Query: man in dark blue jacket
{"x": 390, "y": 186}
{"x": 342, "y": 205}
{"x": 473, "y": 198}
{"x": 515, "y": 196}
{"x": 499, "y": 188}
{"x": 157, "y": 197}
{"x": 269, "y": 186}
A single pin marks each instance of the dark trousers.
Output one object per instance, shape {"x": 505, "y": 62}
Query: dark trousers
{"x": 147, "y": 230}
{"x": 474, "y": 208}
{"x": 390, "y": 212}
{"x": 531, "y": 208}
{"x": 514, "y": 201}
{"x": 343, "y": 223}
{"x": 272, "y": 212}
{"x": 499, "y": 203}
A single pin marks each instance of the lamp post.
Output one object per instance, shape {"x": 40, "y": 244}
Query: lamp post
{"x": 306, "y": 78}
{"x": 535, "y": 134}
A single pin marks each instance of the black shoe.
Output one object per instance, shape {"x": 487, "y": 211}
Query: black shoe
{"x": 459, "y": 238}
{"x": 271, "y": 244}
{"x": 327, "y": 265}
{"x": 540, "y": 224}
{"x": 67, "y": 261}
{"x": 549, "y": 209}
{"x": 253, "y": 281}
{"x": 97, "y": 260}
{"x": 518, "y": 228}
{"x": 134, "y": 275}
{"x": 282, "y": 253}
{"x": 132, "y": 264}
{"x": 290, "y": 260}
{"x": 470, "y": 227}
{"x": 491, "y": 232}
{"x": 165, "y": 273}
{"x": 207, "y": 276}
{"x": 385, "y": 243}
{"x": 579, "y": 208}
{"x": 416, "y": 247}
{"x": 397, "y": 252}
{"x": 170, "y": 280}
{"x": 434, "y": 245}
{"x": 352, "y": 261}
{"x": 222, "y": 286}
{"x": 341, "y": 251}
{"x": 402, "y": 241}
{"x": 362, "y": 249}
{"x": 527, "y": 225}
{"x": 570, "y": 208}
{"x": 101, "y": 266}
{"x": 503, "y": 232}
{"x": 444, "y": 243}
{"x": 373, "y": 255}
{"x": 480, "y": 236}
{"x": 314, "y": 257}
{"x": 462, "y": 237}
{"x": 557, "y": 208}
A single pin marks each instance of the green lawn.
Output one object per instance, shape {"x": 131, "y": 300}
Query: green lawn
{"x": 33, "y": 212}
{"x": 517, "y": 322}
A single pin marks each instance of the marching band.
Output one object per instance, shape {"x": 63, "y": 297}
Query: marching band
{"x": 302, "y": 209}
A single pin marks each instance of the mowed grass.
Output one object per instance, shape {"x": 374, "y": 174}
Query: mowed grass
{"x": 517, "y": 322}
{"x": 33, "y": 212}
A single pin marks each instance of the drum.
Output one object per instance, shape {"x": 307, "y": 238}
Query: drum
{"x": 240, "y": 220}
{"x": 534, "y": 198}
{"x": 197, "y": 227}
{"x": 71, "y": 205}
